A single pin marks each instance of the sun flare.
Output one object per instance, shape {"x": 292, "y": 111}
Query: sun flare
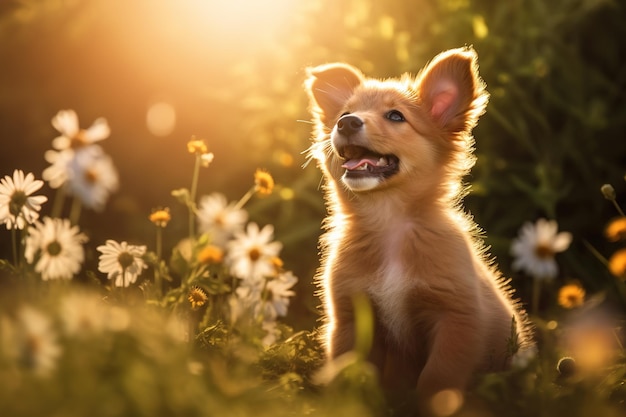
{"x": 239, "y": 18}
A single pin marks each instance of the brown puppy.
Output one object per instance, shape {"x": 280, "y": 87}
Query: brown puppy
{"x": 394, "y": 153}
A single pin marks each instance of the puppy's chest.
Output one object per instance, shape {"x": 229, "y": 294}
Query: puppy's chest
{"x": 395, "y": 287}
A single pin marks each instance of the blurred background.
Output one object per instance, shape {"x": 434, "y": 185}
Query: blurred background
{"x": 231, "y": 72}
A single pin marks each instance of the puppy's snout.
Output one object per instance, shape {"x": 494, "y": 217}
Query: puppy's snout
{"x": 349, "y": 124}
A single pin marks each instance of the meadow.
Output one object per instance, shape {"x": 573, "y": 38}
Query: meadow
{"x": 159, "y": 222}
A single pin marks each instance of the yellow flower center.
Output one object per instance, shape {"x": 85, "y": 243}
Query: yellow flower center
{"x": 125, "y": 259}
{"x": 79, "y": 140}
{"x": 197, "y": 297}
{"x": 571, "y": 296}
{"x": 18, "y": 200}
{"x": 53, "y": 248}
{"x": 91, "y": 176}
{"x": 544, "y": 251}
{"x": 254, "y": 254}
{"x": 263, "y": 182}
{"x": 219, "y": 219}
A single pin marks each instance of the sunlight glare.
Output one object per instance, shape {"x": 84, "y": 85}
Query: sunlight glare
{"x": 241, "y": 18}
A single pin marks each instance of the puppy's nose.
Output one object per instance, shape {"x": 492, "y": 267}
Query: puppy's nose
{"x": 349, "y": 124}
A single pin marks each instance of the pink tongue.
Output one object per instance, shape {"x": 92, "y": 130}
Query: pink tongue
{"x": 355, "y": 163}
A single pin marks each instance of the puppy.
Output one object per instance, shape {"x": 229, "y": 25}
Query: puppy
{"x": 394, "y": 153}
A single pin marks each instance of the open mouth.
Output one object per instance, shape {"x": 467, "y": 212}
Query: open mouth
{"x": 363, "y": 162}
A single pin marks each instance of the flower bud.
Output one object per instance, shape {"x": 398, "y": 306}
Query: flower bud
{"x": 608, "y": 192}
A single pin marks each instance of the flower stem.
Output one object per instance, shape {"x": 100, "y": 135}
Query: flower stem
{"x": 75, "y": 210}
{"x": 157, "y": 268}
{"x": 247, "y": 196}
{"x": 192, "y": 195}
{"x": 123, "y": 288}
{"x": 618, "y": 208}
{"x": 595, "y": 253}
{"x": 59, "y": 199}
{"x": 18, "y": 242}
{"x": 14, "y": 241}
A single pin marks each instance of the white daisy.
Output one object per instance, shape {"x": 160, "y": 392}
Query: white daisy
{"x": 58, "y": 172}
{"x": 246, "y": 300}
{"x": 278, "y": 293}
{"x": 266, "y": 298}
{"x": 72, "y": 136}
{"x": 17, "y": 206}
{"x": 35, "y": 342}
{"x": 535, "y": 247}
{"x": 251, "y": 253}
{"x": 93, "y": 177}
{"x": 121, "y": 262}
{"x": 57, "y": 247}
{"x": 82, "y": 314}
{"x": 78, "y": 162}
{"x": 219, "y": 219}
{"x": 272, "y": 333}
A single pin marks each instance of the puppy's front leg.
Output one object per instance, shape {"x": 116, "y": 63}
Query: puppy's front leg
{"x": 455, "y": 352}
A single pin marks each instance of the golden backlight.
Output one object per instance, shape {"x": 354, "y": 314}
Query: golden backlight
{"x": 239, "y": 17}
{"x": 225, "y": 22}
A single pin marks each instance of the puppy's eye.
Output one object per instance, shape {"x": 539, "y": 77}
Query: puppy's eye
{"x": 395, "y": 116}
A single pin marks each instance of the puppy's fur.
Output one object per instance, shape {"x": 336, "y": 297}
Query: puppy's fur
{"x": 394, "y": 153}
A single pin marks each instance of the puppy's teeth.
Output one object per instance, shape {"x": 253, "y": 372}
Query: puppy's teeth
{"x": 382, "y": 162}
{"x": 363, "y": 167}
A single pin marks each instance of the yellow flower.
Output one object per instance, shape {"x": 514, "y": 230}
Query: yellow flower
{"x": 571, "y": 296}
{"x": 616, "y": 230}
{"x": 278, "y": 263}
{"x": 211, "y": 254}
{"x": 197, "y": 297}
{"x": 160, "y": 217}
{"x": 197, "y": 146}
{"x": 617, "y": 264}
{"x": 263, "y": 182}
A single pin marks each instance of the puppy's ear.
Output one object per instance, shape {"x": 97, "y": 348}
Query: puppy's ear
{"x": 329, "y": 87}
{"x": 452, "y": 91}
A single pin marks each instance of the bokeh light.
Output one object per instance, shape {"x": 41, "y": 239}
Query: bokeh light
{"x": 161, "y": 119}
{"x": 446, "y": 402}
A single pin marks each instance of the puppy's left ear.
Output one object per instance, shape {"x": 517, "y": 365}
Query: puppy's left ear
{"x": 329, "y": 87}
{"x": 452, "y": 91}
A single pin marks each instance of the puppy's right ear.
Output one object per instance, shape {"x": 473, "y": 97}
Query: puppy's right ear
{"x": 329, "y": 87}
